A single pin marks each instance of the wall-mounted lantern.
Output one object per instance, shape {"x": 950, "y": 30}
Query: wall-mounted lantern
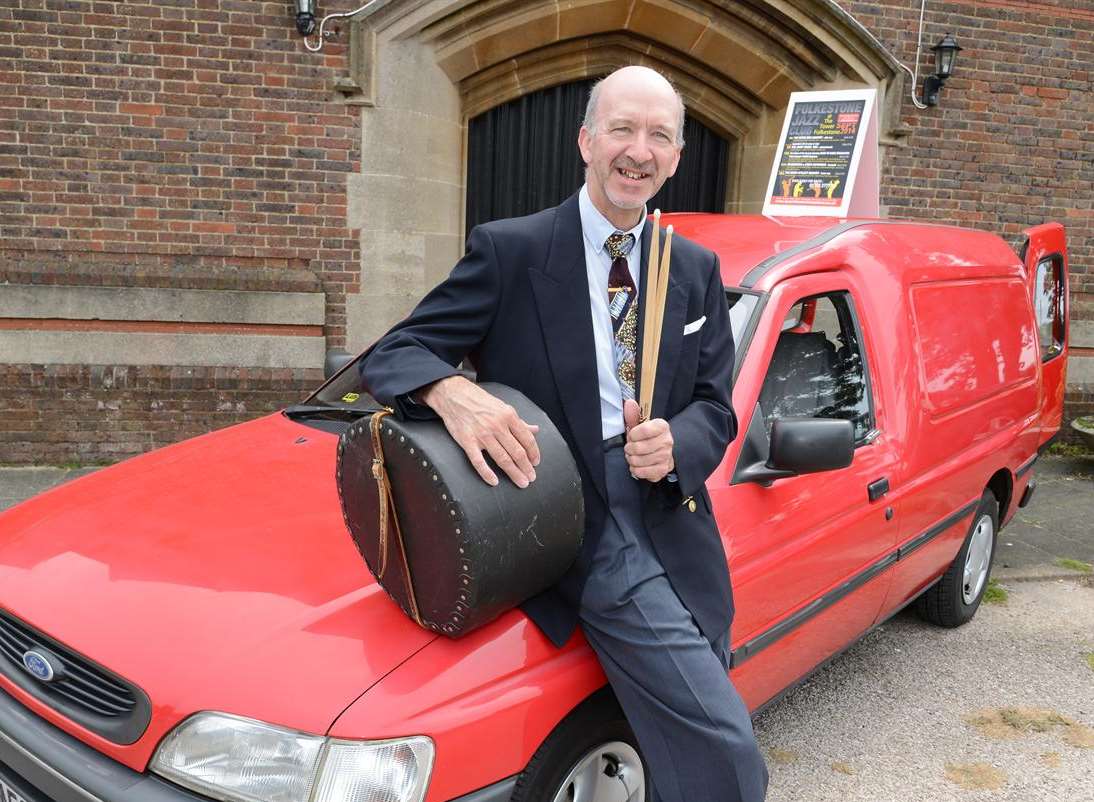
{"x": 945, "y": 54}
{"x": 305, "y": 17}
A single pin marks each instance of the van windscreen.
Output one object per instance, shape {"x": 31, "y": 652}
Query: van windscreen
{"x": 742, "y": 310}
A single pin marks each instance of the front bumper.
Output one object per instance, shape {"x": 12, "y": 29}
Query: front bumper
{"x": 75, "y": 772}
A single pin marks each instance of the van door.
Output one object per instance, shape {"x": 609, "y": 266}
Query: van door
{"x": 1045, "y": 256}
{"x": 809, "y": 552}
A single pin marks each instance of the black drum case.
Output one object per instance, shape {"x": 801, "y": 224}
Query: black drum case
{"x": 472, "y": 551}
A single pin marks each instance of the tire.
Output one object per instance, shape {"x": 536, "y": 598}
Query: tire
{"x": 591, "y": 756}
{"x": 954, "y": 599}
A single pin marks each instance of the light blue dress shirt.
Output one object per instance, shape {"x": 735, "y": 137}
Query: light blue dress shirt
{"x": 595, "y": 229}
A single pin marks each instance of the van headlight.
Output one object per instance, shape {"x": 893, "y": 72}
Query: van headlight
{"x": 240, "y": 760}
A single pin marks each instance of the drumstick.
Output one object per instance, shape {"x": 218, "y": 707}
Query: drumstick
{"x": 659, "y": 317}
{"x": 662, "y": 293}
{"x": 650, "y": 289}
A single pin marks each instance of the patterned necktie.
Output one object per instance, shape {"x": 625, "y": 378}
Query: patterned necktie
{"x": 623, "y": 305}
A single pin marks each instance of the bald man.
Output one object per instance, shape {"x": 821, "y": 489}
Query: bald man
{"x": 549, "y": 304}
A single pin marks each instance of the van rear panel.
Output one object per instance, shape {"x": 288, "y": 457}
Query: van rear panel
{"x": 976, "y": 340}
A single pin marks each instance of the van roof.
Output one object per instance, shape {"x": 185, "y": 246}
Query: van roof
{"x": 743, "y": 241}
{"x": 748, "y": 244}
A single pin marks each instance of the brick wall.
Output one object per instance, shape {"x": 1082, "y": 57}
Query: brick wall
{"x": 160, "y": 143}
{"x": 197, "y": 130}
{"x": 194, "y": 143}
{"x": 85, "y": 415}
{"x": 1011, "y": 143}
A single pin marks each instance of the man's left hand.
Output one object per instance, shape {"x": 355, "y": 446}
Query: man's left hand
{"x": 649, "y": 445}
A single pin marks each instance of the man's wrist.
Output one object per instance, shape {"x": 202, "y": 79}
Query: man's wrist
{"x": 432, "y": 395}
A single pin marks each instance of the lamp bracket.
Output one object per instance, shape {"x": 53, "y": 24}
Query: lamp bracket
{"x": 323, "y": 34}
{"x": 931, "y": 86}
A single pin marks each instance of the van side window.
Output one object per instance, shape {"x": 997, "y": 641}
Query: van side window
{"x": 818, "y": 369}
{"x": 1048, "y": 302}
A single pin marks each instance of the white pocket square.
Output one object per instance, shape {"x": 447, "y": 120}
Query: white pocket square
{"x": 694, "y": 326}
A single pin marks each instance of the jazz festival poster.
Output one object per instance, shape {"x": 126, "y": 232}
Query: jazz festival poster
{"x": 827, "y": 159}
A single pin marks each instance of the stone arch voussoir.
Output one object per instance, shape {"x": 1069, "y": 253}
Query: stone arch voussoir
{"x": 753, "y": 53}
{"x": 717, "y": 102}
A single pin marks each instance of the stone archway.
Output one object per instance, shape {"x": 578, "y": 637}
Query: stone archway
{"x": 427, "y": 66}
{"x": 721, "y": 105}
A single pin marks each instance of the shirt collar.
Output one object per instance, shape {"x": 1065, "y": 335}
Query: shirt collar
{"x": 596, "y": 227}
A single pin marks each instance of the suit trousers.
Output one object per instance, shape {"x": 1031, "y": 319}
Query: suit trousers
{"x": 693, "y": 729}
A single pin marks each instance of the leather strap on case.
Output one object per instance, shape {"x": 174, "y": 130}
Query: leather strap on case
{"x": 389, "y": 519}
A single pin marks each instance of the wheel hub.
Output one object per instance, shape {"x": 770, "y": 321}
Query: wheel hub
{"x": 610, "y": 772}
{"x": 978, "y": 559}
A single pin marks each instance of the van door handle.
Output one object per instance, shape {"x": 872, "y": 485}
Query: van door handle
{"x": 878, "y": 489}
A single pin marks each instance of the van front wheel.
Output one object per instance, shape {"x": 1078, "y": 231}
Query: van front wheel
{"x": 954, "y": 599}
{"x": 592, "y": 756}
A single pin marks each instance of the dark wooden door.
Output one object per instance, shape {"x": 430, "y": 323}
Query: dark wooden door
{"x": 522, "y": 156}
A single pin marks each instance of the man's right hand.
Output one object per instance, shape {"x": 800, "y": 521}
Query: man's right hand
{"x": 479, "y": 422}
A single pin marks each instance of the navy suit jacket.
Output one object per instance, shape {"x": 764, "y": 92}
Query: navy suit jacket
{"x": 517, "y": 308}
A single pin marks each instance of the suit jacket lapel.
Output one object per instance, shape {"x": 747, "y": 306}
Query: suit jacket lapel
{"x": 561, "y": 291}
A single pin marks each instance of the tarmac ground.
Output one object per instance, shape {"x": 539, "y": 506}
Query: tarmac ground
{"x": 999, "y": 710}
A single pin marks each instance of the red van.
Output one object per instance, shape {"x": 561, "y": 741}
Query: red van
{"x": 196, "y": 623}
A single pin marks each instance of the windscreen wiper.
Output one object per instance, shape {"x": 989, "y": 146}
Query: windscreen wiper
{"x": 298, "y": 411}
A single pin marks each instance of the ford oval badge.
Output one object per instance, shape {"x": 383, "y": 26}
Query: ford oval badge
{"x": 38, "y": 665}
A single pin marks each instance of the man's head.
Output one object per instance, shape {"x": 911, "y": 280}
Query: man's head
{"x": 631, "y": 141}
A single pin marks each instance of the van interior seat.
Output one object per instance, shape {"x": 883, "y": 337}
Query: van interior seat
{"x": 801, "y": 379}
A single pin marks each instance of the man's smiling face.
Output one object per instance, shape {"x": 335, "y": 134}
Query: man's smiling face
{"x": 632, "y": 148}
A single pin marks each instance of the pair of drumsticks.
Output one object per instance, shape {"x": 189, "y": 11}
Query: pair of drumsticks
{"x": 657, "y": 287}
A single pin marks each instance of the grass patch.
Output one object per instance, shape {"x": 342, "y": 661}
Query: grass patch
{"x": 995, "y": 593}
{"x": 1080, "y": 736}
{"x": 1075, "y": 565}
{"x": 976, "y": 776}
{"x": 781, "y": 757}
{"x": 1010, "y": 723}
{"x": 1060, "y": 449}
{"x": 1035, "y": 721}
{"x": 1089, "y": 657}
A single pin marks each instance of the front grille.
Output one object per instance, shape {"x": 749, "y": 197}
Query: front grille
{"x": 83, "y": 684}
{"x": 86, "y": 692}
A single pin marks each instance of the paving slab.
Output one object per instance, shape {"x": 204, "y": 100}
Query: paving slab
{"x": 19, "y": 484}
{"x": 1057, "y": 524}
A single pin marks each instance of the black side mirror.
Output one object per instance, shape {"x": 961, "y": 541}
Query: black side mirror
{"x": 810, "y": 445}
{"x": 797, "y": 445}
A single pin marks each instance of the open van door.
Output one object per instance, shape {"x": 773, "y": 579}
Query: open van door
{"x": 1045, "y": 257}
